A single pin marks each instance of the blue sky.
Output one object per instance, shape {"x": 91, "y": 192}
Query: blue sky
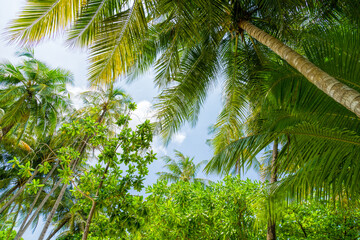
{"x": 190, "y": 141}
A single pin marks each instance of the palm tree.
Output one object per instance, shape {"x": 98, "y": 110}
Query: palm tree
{"x": 32, "y": 97}
{"x": 112, "y": 102}
{"x": 189, "y": 38}
{"x": 317, "y": 137}
{"x": 184, "y": 169}
{"x": 312, "y": 130}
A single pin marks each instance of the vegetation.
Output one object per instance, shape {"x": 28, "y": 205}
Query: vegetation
{"x": 290, "y": 78}
{"x": 182, "y": 170}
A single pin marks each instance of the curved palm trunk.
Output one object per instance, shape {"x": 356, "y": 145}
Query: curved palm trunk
{"x": 7, "y": 204}
{"x": 57, "y": 229}
{"x": 22, "y": 231}
{"x": 38, "y": 195}
{"x": 340, "y": 92}
{"x": 271, "y": 228}
{"x": 8, "y": 193}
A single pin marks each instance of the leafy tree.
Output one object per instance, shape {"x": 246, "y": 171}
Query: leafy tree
{"x": 112, "y": 96}
{"x": 320, "y": 220}
{"x": 191, "y": 210}
{"x": 103, "y": 184}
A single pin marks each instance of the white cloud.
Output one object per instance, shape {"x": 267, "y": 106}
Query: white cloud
{"x": 179, "y": 138}
{"x": 142, "y": 112}
{"x": 158, "y": 147}
{"x": 75, "y": 95}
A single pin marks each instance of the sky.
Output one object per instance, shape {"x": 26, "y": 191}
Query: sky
{"x": 189, "y": 141}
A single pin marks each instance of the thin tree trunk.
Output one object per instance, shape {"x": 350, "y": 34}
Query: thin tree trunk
{"x": 8, "y": 193}
{"x": 62, "y": 192}
{"x": 14, "y": 220}
{"x": 88, "y": 221}
{"x": 22, "y": 231}
{"x": 57, "y": 229}
{"x": 340, "y": 92}
{"x": 302, "y": 228}
{"x": 18, "y": 192}
{"x": 8, "y": 213}
{"x": 53, "y": 210}
{"x": 271, "y": 228}
{"x": 38, "y": 195}
{"x": 92, "y": 210}
{"x": 73, "y": 163}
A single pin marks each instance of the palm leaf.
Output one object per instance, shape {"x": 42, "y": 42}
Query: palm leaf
{"x": 41, "y": 19}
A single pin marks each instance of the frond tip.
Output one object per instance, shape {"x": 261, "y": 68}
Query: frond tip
{"x": 40, "y": 19}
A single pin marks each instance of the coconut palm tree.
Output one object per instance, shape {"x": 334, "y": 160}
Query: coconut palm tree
{"x": 112, "y": 102}
{"x": 311, "y": 129}
{"x": 32, "y": 97}
{"x": 317, "y": 137}
{"x": 184, "y": 169}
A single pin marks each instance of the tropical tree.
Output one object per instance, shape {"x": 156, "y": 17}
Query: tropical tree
{"x": 105, "y": 185}
{"x": 190, "y": 210}
{"x": 284, "y": 108}
{"x": 313, "y": 132}
{"x": 184, "y": 169}
{"x": 106, "y": 104}
{"x": 32, "y": 97}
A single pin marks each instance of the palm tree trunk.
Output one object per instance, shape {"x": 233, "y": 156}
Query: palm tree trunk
{"x": 53, "y": 210}
{"x": 18, "y": 192}
{"x": 340, "y": 92}
{"x": 14, "y": 220}
{"x": 271, "y": 228}
{"x": 57, "y": 229}
{"x": 8, "y": 193}
{"x": 22, "y": 231}
{"x": 62, "y": 192}
{"x": 92, "y": 210}
{"x": 38, "y": 195}
{"x": 7, "y": 213}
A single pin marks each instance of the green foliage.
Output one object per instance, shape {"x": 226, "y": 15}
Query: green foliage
{"x": 319, "y": 220}
{"x": 232, "y": 208}
{"x": 186, "y": 210}
{"x": 121, "y": 166}
{"x": 190, "y": 44}
{"x": 4, "y": 234}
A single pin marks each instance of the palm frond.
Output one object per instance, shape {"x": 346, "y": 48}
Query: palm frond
{"x": 116, "y": 46}
{"x": 41, "y": 19}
